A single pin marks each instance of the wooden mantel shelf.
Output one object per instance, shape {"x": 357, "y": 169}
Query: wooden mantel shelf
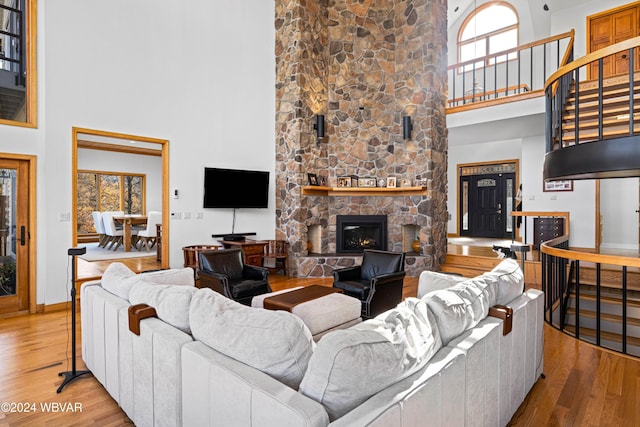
{"x": 317, "y": 190}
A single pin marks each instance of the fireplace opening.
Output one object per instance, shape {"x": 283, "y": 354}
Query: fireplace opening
{"x": 355, "y": 233}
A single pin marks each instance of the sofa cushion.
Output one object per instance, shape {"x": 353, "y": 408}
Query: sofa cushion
{"x": 465, "y": 304}
{"x": 461, "y": 307}
{"x": 119, "y": 279}
{"x": 170, "y": 301}
{"x": 430, "y": 281}
{"x": 350, "y": 365}
{"x": 274, "y": 342}
{"x": 174, "y": 276}
{"x": 509, "y": 280}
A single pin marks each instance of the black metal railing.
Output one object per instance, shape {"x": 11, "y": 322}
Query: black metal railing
{"x": 518, "y": 71}
{"x": 13, "y": 52}
{"x": 584, "y": 302}
{"x": 606, "y": 96}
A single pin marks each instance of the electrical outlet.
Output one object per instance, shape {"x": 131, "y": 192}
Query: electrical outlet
{"x": 187, "y": 215}
{"x": 176, "y": 215}
{"x": 199, "y": 215}
{"x": 64, "y": 216}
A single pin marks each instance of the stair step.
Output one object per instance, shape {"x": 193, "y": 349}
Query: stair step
{"x": 607, "y": 299}
{"x": 607, "y": 125}
{"x": 591, "y": 106}
{"x": 618, "y": 91}
{"x": 609, "y": 336}
{"x": 632, "y": 321}
{"x": 593, "y": 113}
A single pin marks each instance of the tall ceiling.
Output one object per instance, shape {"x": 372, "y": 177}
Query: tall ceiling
{"x": 460, "y": 8}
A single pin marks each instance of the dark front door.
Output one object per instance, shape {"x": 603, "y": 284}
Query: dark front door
{"x": 490, "y": 200}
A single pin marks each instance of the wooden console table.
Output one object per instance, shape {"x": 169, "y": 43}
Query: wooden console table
{"x": 252, "y": 250}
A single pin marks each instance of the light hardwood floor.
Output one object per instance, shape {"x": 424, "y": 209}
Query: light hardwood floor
{"x": 584, "y": 385}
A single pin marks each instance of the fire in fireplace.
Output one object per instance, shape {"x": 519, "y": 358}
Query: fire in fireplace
{"x": 355, "y": 233}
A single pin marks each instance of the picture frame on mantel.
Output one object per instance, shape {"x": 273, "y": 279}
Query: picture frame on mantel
{"x": 313, "y": 179}
{"x": 557, "y": 185}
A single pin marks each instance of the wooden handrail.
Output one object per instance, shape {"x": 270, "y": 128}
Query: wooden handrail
{"x": 592, "y": 57}
{"x": 547, "y": 248}
{"x": 517, "y": 48}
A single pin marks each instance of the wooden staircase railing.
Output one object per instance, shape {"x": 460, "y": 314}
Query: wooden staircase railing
{"x": 492, "y": 80}
{"x": 593, "y": 297}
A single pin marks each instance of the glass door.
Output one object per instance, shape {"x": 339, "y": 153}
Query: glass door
{"x": 14, "y": 236}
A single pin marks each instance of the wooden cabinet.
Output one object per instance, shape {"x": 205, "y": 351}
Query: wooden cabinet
{"x": 252, "y": 250}
{"x": 546, "y": 229}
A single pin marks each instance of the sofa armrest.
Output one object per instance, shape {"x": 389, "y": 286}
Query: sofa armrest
{"x": 137, "y": 313}
{"x": 505, "y": 313}
{"x": 348, "y": 273}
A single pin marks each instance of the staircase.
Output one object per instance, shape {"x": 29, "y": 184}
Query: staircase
{"x": 615, "y": 110}
{"x": 611, "y": 308}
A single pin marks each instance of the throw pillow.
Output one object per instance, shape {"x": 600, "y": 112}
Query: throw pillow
{"x": 351, "y": 365}
{"x": 119, "y": 279}
{"x": 170, "y": 301}
{"x": 509, "y": 279}
{"x": 274, "y": 342}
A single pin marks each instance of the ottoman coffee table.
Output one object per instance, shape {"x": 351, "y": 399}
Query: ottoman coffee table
{"x": 321, "y": 308}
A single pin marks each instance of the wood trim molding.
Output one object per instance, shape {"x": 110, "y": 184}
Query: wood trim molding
{"x": 164, "y": 153}
{"x": 91, "y": 145}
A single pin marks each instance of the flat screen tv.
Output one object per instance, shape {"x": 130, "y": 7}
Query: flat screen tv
{"x": 235, "y": 188}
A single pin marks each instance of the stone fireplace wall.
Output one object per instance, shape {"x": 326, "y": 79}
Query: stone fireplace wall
{"x": 363, "y": 64}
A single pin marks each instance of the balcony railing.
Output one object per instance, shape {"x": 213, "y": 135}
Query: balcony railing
{"x": 516, "y": 73}
{"x": 593, "y": 297}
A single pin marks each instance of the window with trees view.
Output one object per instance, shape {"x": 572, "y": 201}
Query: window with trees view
{"x": 106, "y": 191}
{"x": 491, "y": 28}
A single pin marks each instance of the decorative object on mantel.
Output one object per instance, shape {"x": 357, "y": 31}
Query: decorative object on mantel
{"x": 322, "y": 180}
{"x": 366, "y": 182}
{"x": 382, "y": 182}
{"x": 344, "y": 181}
{"x": 313, "y": 179}
{"x": 405, "y": 182}
{"x": 391, "y": 182}
{"x": 421, "y": 182}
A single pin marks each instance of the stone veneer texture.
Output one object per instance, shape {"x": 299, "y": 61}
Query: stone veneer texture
{"x": 363, "y": 64}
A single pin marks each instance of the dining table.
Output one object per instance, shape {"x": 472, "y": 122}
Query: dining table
{"x": 129, "y": 221}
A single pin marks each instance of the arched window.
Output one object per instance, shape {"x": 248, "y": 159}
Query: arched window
{"x": 491, "y": 28}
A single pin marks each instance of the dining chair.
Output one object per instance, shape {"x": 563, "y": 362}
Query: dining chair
{"x": 115, "y": 236}
{"x": 148, "y": 236}
{"x": 99, "y": 226}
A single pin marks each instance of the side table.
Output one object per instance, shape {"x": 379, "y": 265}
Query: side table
{"x": 252, "y": 250}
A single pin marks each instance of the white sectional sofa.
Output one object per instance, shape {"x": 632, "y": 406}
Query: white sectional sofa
{"x": 206, "y": 360}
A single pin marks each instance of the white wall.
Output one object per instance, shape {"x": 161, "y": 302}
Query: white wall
{"x": 109, "y": 161}
{"x": 619, "y": 205}
{"x": 474, "y": 153}
{"x": 200, "y": 75}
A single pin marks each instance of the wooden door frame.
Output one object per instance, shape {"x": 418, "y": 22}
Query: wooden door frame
{"x": 490, "y": 162}
{"x": 31, "y": 224}
{"x": 123, "y": 149}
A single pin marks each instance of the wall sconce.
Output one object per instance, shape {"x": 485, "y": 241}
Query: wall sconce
{"x": 319, "y": 126}
{"x": 407, "y": 127}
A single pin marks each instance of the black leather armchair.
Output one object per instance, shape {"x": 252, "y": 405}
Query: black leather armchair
{"x": 225, "y": 272}
{"x": 377, "y": 282}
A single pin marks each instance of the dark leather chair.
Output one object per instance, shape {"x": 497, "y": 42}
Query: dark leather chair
{"x": 225, "y": 272}
{"x": 377, "y": 282}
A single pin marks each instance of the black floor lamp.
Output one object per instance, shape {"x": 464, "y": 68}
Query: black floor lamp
{"x": 73, "y": 374}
